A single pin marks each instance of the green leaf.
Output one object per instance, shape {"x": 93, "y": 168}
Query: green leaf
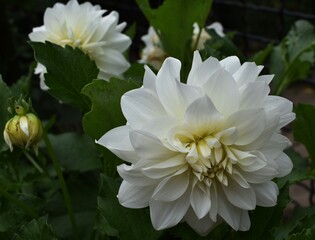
{"x": 293, "y": 58}
{"x": 22, "y": 86}
{"x": 260, "y": 57}
{"x": 5, "y": 94}
{"x": 105, "y": 113}
{"x": 135, "y": 74}
{"x": 76, "y": 152}
{"x": 299, "y": 225}
{"x": 306, "y": 234}
{"x": 83, "y": 189}
{"x": 220, "y": 47}
{"x": 68, "y": 71}
{"x": 36, "y": 230}
{"x": 173, "y": 21}
{"x": 304, "y": 129}
{"x": 127, "y": 224}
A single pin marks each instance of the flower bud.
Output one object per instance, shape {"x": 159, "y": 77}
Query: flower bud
{"x": 23, "y": 130}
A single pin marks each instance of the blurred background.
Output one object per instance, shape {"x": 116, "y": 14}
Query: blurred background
{"x": 254, "y": 22}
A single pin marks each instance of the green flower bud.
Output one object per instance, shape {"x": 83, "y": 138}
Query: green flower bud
{"x": 23, "y": 130}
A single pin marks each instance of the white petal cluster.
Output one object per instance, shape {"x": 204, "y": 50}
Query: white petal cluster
{"x": 154, "y": 54}
{"x": 83, "y": 26}
{"x": 202, "y": 152}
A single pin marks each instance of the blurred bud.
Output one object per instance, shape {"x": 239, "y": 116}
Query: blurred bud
{"x": 23, "y": 130}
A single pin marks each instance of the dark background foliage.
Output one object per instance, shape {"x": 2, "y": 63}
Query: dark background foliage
{"x": 255, "y": 23}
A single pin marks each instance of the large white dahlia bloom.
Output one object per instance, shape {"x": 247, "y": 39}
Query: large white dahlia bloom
{"x": 205, "y": 151}
{"x": 84, "y": 26}
{"x": 154, "y": 54}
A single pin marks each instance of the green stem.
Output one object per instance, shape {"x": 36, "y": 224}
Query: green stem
{"x": 31, "y": 159}
{"x": 63, "y": 185}
{"x": 19, "y": 203}
{"x": 198, "y": 38}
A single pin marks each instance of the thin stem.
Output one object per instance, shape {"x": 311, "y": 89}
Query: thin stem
{"x": 198, "y": 38}
{"x": 31, "y": 159}
{"x": 63, "y": 185}
{"x": 19, "y": 203}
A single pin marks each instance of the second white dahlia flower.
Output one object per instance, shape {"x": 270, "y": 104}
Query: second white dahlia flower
{"x": 154, "y": 54}
{"x": 84, "y": 26}
{"x": 202, "y": 152}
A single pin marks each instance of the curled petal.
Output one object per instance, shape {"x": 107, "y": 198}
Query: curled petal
{"x": 266, "y": 194}
{"x": 132, "y": 196}
{"x": 117, "y": 141}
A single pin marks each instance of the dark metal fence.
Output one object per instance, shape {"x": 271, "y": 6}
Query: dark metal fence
{"x": 274, "y": 18}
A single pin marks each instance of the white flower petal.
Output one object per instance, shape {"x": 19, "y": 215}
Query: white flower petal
{"x": 227, "y": 136}
{"x": 239, "y": 196}
{"x": 275, "y": 146}
{"x": 197, "y": 61}
{"x": 266, "y": 194}
{"x": 168, "y": 214}
{"x": 248, "y": 72}
{"x": 231, "y": 64}
{"x": 265, "y": 78}
{"x": 134, "y": 176}
{"x": 174, "y": 96}
{"x": 167, "y": 167}
{"x": 7, "y": 140}
{"x": 239, "y": 179}
{"x": 262, "y": 175}
{"x": 202, "y": 116}
{"x": 244, "y": 221}
{"x": 285, "y": 165}
{"x": 252, "y": 163}
{"x": 149, "y": 79}
{"x": 139, "y": 106}
{"x": 200, "y": 202}
{"x": 24, "y": 125}
{"x": 117, "y": 141}
{"x": 165, "y": 189}
{"x": 134, "y": 196}
{"x": 253, "y": 94}
{"x": 113, "y": 62}
{"x": 281, "y": 106}
{"x": 149, "y": 147}
{"x": 201, "y": 226}
{"x": 271, "y": 126}
{"x": 249, "y": 124}
{"x": 228, "y": 212}
{"x": 224, "y": 81}
{"x": 161, "y": 126}
{"x": 218, "y": 28}
{"x": 203, "y": 72}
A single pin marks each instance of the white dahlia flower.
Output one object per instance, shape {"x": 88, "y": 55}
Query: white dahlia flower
{"x": 83, "y": 26}
{"x": 154, "y": 54}
{"x": 205, "y": 151}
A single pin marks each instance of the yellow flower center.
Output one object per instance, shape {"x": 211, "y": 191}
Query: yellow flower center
{"x": 208, "y": 160}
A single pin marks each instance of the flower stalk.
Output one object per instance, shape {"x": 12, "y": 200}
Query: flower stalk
{"x": 63, "y": 185}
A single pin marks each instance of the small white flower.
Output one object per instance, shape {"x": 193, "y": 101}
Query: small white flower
{"x": 205, "y": 151}
{"x": 83, "y": 26}
{"x": 204, "y": 36}
{"x": 154, "y": 54}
